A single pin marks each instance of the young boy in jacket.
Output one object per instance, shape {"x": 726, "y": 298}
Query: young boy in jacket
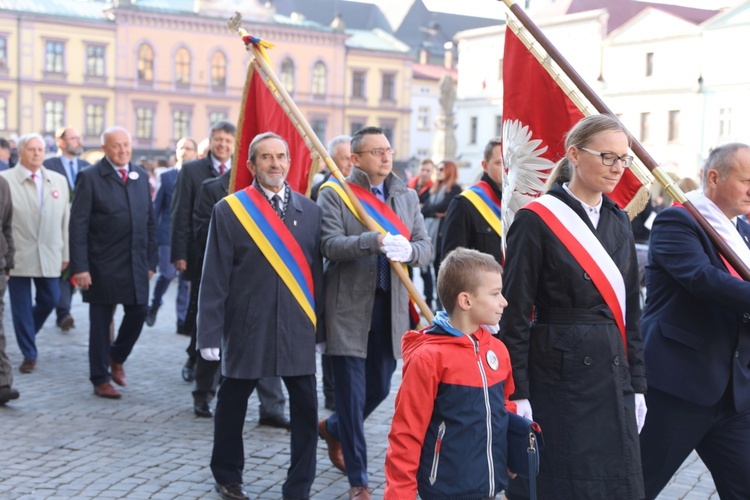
{"x": 448, "y": 435}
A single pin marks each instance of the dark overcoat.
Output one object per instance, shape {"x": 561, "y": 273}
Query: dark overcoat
{"x": 162, "y": 204}
{"x": 570, "y": 361}
{"x": 246, "y": 309}
{"x": 112, "y": 234}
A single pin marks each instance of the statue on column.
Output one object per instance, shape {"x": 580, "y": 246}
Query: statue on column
{"x": 444, "y": 142}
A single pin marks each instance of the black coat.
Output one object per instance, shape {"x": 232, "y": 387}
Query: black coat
{"x": 246, "y": 309}
{"x": 212, "y": 190}
{"x": 570, "y": 360}
{"x": 112, "y": 234}
{"x": 162, "y": 204}
{"x": 465, "y": 227}
{"x": 438, "y": 210}
{"x": 182, "y": 240}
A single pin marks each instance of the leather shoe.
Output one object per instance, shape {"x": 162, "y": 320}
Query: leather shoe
{"x": 27, "y": 366}
{"x": 106, "y": 390}
{"x": 204, "y": 411}
{"x": 335, "y": 453}
{"x": 118, "y": 373}
{"x": 7, "y": 393}
{"x": 360, "y": 493}
{"x": 232, "y": 491}
{"x": 188, "y": 371}
{"x": 66, "y": 323}
{"x": 151, "y": 316}
{"x": 278, "y": 421}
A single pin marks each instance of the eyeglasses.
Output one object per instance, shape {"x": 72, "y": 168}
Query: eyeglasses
{"x": 378, "y": 152}
{"x": 610, "y": 159}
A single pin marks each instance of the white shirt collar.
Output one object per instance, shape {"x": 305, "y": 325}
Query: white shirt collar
{"x": 216, "y": 163}
{"x": 594, "y": 212}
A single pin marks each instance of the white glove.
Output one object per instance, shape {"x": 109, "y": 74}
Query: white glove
{"x": 397, "y": 248}
{"x": 210, "y": 353}
{"x": 523, "y": 408}
{"x": 493, "y": 329}
{"x": 640, "y": 411}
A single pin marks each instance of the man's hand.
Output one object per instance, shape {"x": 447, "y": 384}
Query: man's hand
{"x": 64, "y": 266}
{"x": 640, "y": 411}
{"x": 150, "y": 274}
{"x": 180, "y": 265}
{"x": 523, "y": 408}
{"x": 83, "y": 280}
{"x": 210, "y": 353}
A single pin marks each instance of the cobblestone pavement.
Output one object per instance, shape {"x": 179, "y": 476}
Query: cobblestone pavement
{"x": 60, "y": 441}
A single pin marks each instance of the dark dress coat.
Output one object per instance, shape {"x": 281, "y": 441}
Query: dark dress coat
{"x": 570, "y": 360}
{"x": 246, "y": 309}
{"x": 465, "y": 227}
{"x": 162, "y": 203}
{"x": 438, "y": 210}
{"x": 696, "y": 324}
{"x": 182, "y": 241}
{"x": 55, "y": 164}
{"x": 112, "y": 234}
{"x": 211, "y": 191}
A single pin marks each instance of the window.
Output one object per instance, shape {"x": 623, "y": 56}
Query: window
{"x": 145, "y": 63}
{"x": 389, "y": 87}
{"x": 423, "y": 118}
{"x": 3, "y": 54}
{"x": 498, "y": 125}
{"x": 54, "y": 115}
{"x": 318, "y": 126}
{"x": 645, "y": 132}
{"x": 180, "y": 124}
{"x": 355, "y": 126}
{"x": 3, "y": 112}
{"x": 725, "y": 122}
{"x": 500, "y": 70}
{"x": 95, "y": 60}
{"x": 388, "y": 130}
{"x": 182, "y": 68}
{"x": 216, "y": 116}
{"x": 358, "y": 84}
{"x": 144, "y": 123}
{"x": 287, "y": 75}
{"x": 53, "y": 57}
{"x": 94, "y": 119}
{"x": 319, "y": 79}
{"x": 473, "y": 130}
{"x": 218, "y": 71}
{"x": 649, "y": 63}
{"x": 673, "y": 134}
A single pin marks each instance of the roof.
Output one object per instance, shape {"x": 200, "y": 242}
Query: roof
{"x": 85, "y": 10}
{"x": 432, "y": 72}
{"x": 375, "y": 39}
{"x": 621, "y": 11}
{"x": 356, "y": 15}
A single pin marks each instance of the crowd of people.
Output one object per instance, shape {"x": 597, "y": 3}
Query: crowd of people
{"x": 550, "y": 330}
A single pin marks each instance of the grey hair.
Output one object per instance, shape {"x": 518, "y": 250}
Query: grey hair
{"x": 721, "y": 159}
{"x": 359, "y": 136}
{"x": 110, "y": 130}
{"x": 27, "y": 137}
{"x": 334, "y": 143}
{"x": 495, "y": 141}
{"x": 262, "y": 137}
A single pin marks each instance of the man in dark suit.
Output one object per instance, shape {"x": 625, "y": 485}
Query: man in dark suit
{"x": 186, "y": 152}
{"x": 113, "y": 254}
{"x": 250, "y": 314}
{"x": 696, "y": 331}
{"x": 66, "y": 163}
{"x": 4, "y": 154}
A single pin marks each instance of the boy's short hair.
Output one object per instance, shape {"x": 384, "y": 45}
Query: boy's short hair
{"x": 460, "y": 272}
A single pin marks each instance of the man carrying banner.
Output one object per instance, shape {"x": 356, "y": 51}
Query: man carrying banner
{"x": 696, "y": 330}
{"x": 262, "y": 278}
{"x": 367, "y": 309}
{"x": 473, "y": 219}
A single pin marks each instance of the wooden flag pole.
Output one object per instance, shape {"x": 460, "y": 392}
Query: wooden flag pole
{"x": 299, "y": 121}
{"x": 664, "y": 179}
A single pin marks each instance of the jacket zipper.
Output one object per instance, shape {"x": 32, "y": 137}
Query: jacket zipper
{"x": 488, "y": 411}
{"x": 436, "y": 456}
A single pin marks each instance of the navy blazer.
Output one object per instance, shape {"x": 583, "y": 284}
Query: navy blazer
{"x": 162, "y": 202}
{"x": 696, "y": 323}
{"x": 55, "y": 164}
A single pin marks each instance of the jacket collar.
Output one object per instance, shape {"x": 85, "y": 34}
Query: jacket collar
{"x": 486, "y": 178}
{"x": 393, "y": 184}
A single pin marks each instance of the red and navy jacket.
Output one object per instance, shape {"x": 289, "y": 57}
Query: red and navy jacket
{"x": 448, "y": 435}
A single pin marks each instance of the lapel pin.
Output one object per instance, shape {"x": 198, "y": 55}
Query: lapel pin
{"x": 295, "y": 223}
{"x": 133, "y": 175}
{"x": 56, "y": 194}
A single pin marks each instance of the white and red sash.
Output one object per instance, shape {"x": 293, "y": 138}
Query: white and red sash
{"x": 588, "y": 251}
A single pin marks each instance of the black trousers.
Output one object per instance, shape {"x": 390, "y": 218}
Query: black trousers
{"x": 228, "y": 456}
{"x": 100, "y": 349}
{"x": 720, "y": 434}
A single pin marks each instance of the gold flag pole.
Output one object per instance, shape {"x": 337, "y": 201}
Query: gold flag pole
{"x": 300, "y": 123}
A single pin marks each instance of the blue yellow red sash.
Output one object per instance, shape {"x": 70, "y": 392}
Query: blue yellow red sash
{"x": 277, "y": 244}
{"x": 487, "y": 204}
{"x": 386, "y": 220}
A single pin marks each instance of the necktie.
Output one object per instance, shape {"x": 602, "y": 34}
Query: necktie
{"x": 123, "y": 174}
{"x": 276, "y": 201}
{"x": 222, "y": 169}
{"x": 73, "y": 172}
{"x": 384, "y": 269}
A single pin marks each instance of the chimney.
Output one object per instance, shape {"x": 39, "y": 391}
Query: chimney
{"x": 423, "y": 56}
{"x": 448, "y": 59}
{"x": 338, "y": 23}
